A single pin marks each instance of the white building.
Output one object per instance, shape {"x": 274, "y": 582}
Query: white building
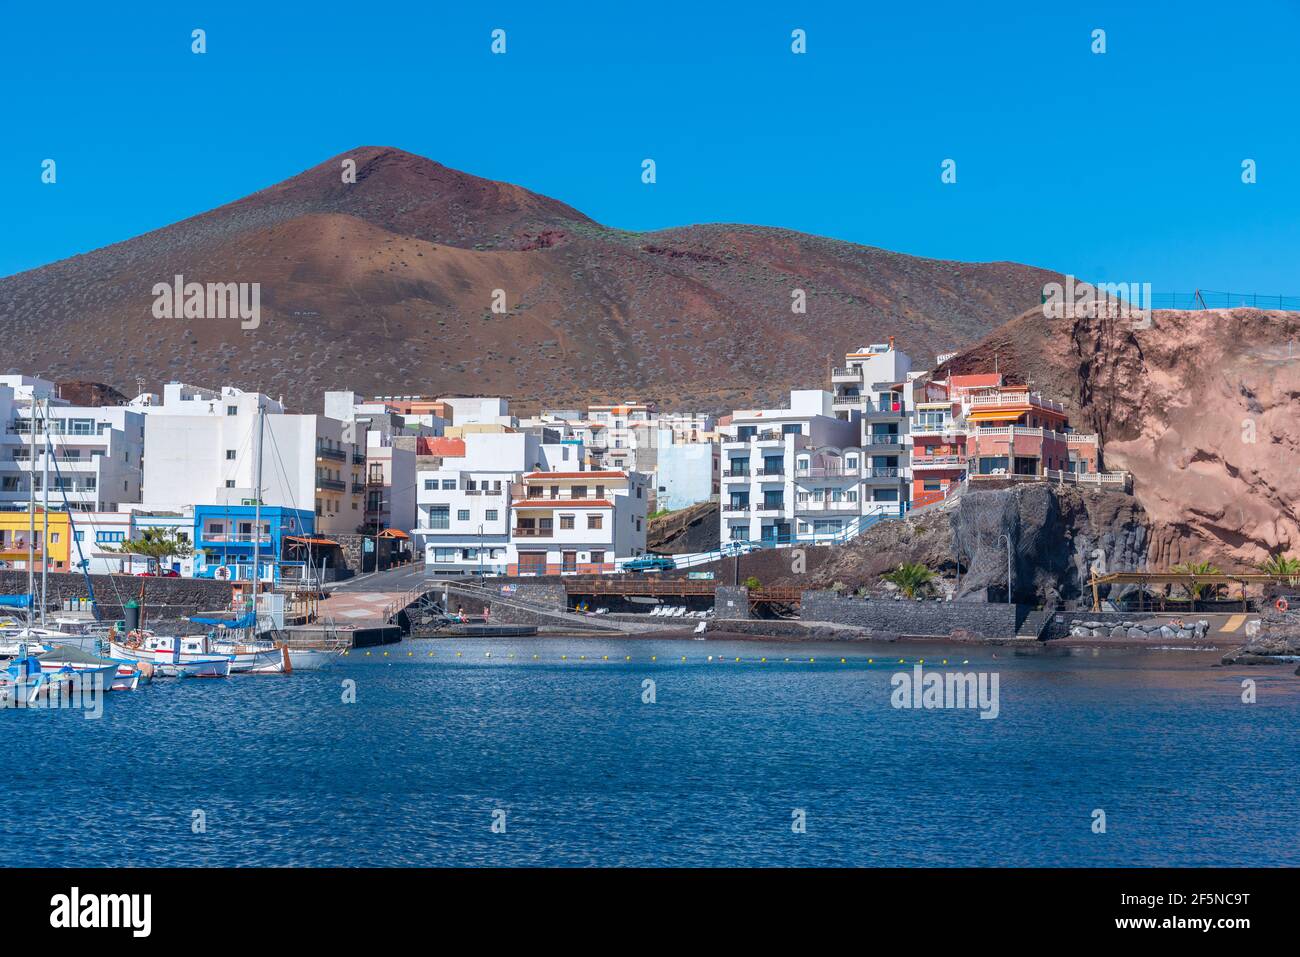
{"x": 688, "y": 473}
{"x": 512, "y": 503}
{"x": 874, "y": 385}
{"x": 779, "y": 481}
{"x": 464, "y": 506}
{"x": 576, "y": 522}
{"x": 202, "y": 448}
{"x": 95, "y": 451}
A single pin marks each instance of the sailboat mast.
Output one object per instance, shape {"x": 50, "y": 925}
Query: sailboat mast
{"x": 45, "y": 509}
{"x": 257, "y": 504}
{"x": 31, "y": 510}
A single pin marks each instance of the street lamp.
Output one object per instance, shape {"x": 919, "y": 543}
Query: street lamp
{"x": 1008, "y": 539}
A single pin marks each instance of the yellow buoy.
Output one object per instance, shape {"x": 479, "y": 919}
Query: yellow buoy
{"x": 841, "y": 661}
{"x": 763, "y": 660}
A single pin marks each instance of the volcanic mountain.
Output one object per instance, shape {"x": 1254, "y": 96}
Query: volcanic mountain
{"x": 1202, "y": 407}
{"x": 387, "y": 284}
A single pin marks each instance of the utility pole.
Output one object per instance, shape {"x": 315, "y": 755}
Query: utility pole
{"x": 257, "y": 506}
{"x": 31, "y": 510}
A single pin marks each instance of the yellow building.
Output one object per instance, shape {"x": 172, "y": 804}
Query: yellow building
{"x": 14, "y": 536}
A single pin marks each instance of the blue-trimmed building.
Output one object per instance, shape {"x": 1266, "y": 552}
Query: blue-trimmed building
{"x": 224, "y": 539}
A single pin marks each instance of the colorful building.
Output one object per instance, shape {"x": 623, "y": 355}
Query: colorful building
{"x": 16, "y": 535}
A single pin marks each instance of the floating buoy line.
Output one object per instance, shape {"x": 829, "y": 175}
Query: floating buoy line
{"x": 684, "y": 659}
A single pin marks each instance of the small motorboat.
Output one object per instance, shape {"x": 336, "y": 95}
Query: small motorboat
{"x": 114, "y": 675}
{"x": 24, "y": 681}
{"x": 66, "y": 658}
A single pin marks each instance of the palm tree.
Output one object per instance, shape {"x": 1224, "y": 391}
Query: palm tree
{"x": 156, "y": 543}
{"x": 1282, "y": 567}
{"x": 910, "y": 577}
{"x": 1195, "y": 589}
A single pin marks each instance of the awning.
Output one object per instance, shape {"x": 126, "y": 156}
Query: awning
{"x": 1011, "y": 414}
{"x": 307, "y": 540}
{"x": 393, "y": 533}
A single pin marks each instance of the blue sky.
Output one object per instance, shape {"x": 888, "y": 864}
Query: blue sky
{"x": 1124, "y": 166}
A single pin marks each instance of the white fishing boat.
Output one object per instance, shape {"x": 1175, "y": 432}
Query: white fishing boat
{"x": 172, "y": 656}
{"x": 24, "y": 681}
{"x": 114, "y": 675}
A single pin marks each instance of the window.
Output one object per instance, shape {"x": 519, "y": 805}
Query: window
{"x": 932, "y": 485}
{"x": 462, "y": 515}
{"x": 80, "y": 535}
{"x": 534, "y": 491}
{"x": 89, "y": 485}
{"x": 232, "y": 410}
{"x": 598, "y": 558}
{"x": 230, "y": 455}
{"x": 579, "y": 491}
{"x": 444, "y": 554}
{"x": 440, "y": 516}
{"x": 791, "y": 428}
{"x": 738, "y": 533}
{"x": 490, "y": 515}
{"x": 110, "y": 537}
{"x": 600, "y": 491}
{"x": 230, "y": 483}
{"x": 594, "y": 521}
{"x": 638, "y": 524}
{"x": 546, "y": 525}
{"x": 566, "y": 521}
{"x": 449, "y": 485}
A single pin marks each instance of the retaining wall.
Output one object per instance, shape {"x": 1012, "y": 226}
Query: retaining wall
{"x": 931, "y": 619}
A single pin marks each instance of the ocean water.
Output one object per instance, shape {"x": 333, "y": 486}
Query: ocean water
{"x": 279, "y": 770}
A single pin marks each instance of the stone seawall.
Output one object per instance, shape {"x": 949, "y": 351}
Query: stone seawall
{"x": 165, "y": 599}
{"x": 885, "y": 618}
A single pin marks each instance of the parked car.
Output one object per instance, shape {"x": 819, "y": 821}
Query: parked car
{"x": 650, "y": 563}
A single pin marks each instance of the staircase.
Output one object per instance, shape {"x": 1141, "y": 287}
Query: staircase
{"x": 1033, "y": 624}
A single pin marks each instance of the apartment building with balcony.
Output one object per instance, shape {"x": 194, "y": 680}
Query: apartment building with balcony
{"x": 390, "y": 441}
{"x": 576, "y": 522}
{"x": 463, "y": 502}
{"x": 202, "y": 448}
{"x": 95, "y": 453}
{"x": 875, "y": 386}
{"x": 784, "y": 477}
{"x": 976, "y": 426}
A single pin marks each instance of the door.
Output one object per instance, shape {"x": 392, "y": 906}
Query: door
{"x": 569, "y": 562}
{"x": 532, "y": 563}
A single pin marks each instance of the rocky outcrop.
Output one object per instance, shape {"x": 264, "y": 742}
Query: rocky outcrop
{"x": 692, "y": 529}
{"x": 1273, "y": 639}
{"x": 1060, "y": 535}
{"x": 1200, "y": 406}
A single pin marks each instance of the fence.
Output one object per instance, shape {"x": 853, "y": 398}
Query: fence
{"x": 1211, "y": 299}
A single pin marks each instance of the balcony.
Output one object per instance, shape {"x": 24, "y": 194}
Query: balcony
{"x": 827, "y": 472}
{"x": 826, "y": 505}
{"x": 739, "y": 508}
{"x": 358, "y": 458}
{"x": 337, "y": 455}
{"x": 767, "y": 475}
{"x": 936, "y": 428}
{"x": 849, "y": 374}
{"x": 358, "y": 487}
{"x": 330, "y": 485}
{"x": 880, "y": 473}
{"x": 922, "y": 462}
{"x": 892, "y": 438}
{"x": 736, "y": 473}
{"x": 232, "y": 538}
{"x": 884, "y": 410}
{"x": 532, "y": 533}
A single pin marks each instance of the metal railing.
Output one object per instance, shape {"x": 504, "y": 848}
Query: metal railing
{"x": 324, "y": 452}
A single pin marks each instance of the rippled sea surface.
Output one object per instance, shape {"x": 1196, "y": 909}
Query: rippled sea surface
{"x": 281, "y": 771}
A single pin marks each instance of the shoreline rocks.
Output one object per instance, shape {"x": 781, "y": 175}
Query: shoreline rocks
{"x": 1129, "y": 630}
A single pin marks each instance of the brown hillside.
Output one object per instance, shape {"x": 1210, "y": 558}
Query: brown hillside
{"x": 385, "y": 285}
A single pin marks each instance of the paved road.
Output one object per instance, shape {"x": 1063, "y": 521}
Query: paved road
{"x": 400, "y": 579}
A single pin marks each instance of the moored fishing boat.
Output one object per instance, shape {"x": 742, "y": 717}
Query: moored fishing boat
{"x": 172, "y": 656}
{"x": 115, "y": 675}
